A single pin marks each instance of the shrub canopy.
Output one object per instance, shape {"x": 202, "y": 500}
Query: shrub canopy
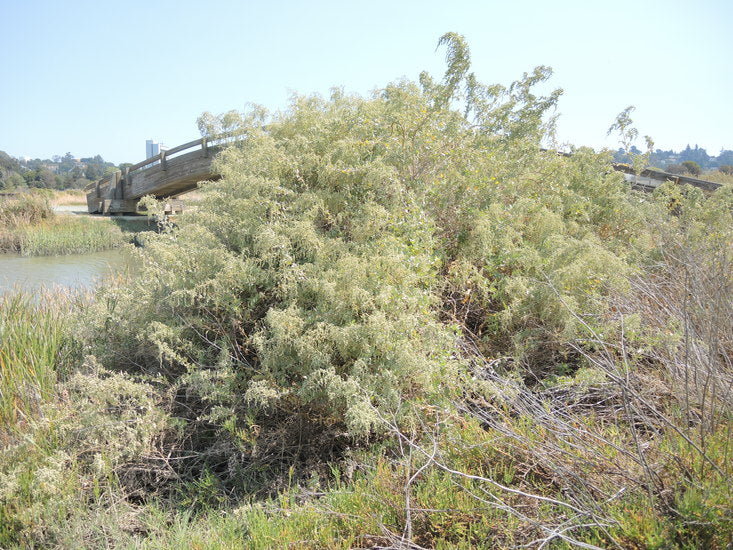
{"x": 349, "y": 240}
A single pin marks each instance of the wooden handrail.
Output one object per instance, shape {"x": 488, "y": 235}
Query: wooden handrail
{"x": 145, "y": 162}
{"x": 205, "y": 143}
{"x": 183, "y": 147}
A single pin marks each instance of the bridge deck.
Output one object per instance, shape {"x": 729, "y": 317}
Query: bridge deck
{"x": 160, "y": 176}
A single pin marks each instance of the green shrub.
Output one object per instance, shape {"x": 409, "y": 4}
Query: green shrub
{"x": 72, "y": 459}
{"x": 536, "y": 348}
{"x": 311, "y": 279}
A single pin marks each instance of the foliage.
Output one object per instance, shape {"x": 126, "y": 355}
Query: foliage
{"x": 63, "y": 235}
{"x": 29, "y": 226}
{"x": 669, "y": 160}
{"x": 628, "y": 134}
{"x": 35, "y": 347}
{"x": 692, "y": 167}
{"x": 16, "y": 214}
{"x": 676, "y": 169}
{"x": 318, "y": 251}
{"x": 399, "y": 321}
{"x": 719, "y": 176}
{"x": 72, "y": 460}
{"x": 60, "y": 172}
{"x": 70, "y": 235}
{"x": 27, "y": 209}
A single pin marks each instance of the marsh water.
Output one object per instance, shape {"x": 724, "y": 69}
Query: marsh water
{"x": 71, "y": 271}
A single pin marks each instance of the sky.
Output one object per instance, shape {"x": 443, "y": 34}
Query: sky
{"x": 102, "y": 77}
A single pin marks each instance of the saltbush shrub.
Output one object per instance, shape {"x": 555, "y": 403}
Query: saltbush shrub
{"x": 406, "y": 322}
{"x": 316, "y": 273}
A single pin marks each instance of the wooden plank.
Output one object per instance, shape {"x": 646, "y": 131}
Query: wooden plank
{"x": 179, "y": 148}
{"x": 145, "y": 162}
{"x": 114, "y": 185}
{"x": 182, "y": 174}
{"x": 119, "y": 206}
{"x": 94, "y": 204}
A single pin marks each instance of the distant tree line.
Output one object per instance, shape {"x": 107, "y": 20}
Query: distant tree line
{"x": 58, "y": 172}
{"x": 692, "y": 161}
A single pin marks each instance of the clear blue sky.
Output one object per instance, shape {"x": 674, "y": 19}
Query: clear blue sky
{"x": 102, "y": 77}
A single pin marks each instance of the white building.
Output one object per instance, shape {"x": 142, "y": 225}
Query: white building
{"x": 153, "y": 148}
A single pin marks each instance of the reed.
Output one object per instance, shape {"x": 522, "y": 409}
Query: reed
{"x": 35, "y": 348}
{"x": 29, "y": 225}
{"x": 70, "y": 235}
{"x": 69, "y": 197}
{"x": 26, "y": 209}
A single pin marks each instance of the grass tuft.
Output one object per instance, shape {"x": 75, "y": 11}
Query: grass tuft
{"x": 70, "y": 235}
{"x": 35, "y": 348}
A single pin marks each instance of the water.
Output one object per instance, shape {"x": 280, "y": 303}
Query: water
{"x": 72, "y": 271}
{"x": 71, "y": 209}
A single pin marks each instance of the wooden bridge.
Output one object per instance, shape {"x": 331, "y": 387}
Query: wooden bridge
{"x": 165, "y": 175}
{"x": 649, "y": 179}
{"x": 179, "y": 169}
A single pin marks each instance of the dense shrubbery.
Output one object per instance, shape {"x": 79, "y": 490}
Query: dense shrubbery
{"x": 407, "y": 322}
{"x": 70, "y": 462}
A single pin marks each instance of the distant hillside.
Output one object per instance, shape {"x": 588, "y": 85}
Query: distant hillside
{"x": 58, "y": 172}
{"x": 672, "y": 161}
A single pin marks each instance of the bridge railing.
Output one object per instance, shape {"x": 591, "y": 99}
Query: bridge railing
{"x": 161, "y": 158}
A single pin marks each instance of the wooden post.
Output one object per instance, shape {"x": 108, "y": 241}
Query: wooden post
{"x": 204, "y": 147}
{"x": 163, "y": 164}
{"x": 118, "y": 179}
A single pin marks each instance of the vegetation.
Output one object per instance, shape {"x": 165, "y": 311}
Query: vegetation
{"x": 69, "y": 197}
{"x": 398, "y": 322}
{"x": 59, "y": 172}
{"x": 35, "y": 346}
{"x": 29, "y": 226}
{"x": 720, "y": 176}
{"x": 67, "y": 235}
{"x": 673, "y": 161}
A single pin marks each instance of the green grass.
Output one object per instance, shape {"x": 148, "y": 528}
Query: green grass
{"x": 70, "y": 235}
{"x": 34, "y": 348}
{"x": 29, "y": 226}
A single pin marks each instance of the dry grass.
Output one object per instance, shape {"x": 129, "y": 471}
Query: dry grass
{"x": 70, "y": 197}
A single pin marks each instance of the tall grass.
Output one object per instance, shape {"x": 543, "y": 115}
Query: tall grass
{"x": 28, "y": 225}
{"x": 26, "y": 209}
{"x": 69, "y": 197}
{"x": 718, "y": 177}
{"x": 70, "y": 235}
{"x": 35, "y": 348}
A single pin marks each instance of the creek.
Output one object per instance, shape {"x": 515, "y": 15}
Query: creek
{"x": 72, "y": 271}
